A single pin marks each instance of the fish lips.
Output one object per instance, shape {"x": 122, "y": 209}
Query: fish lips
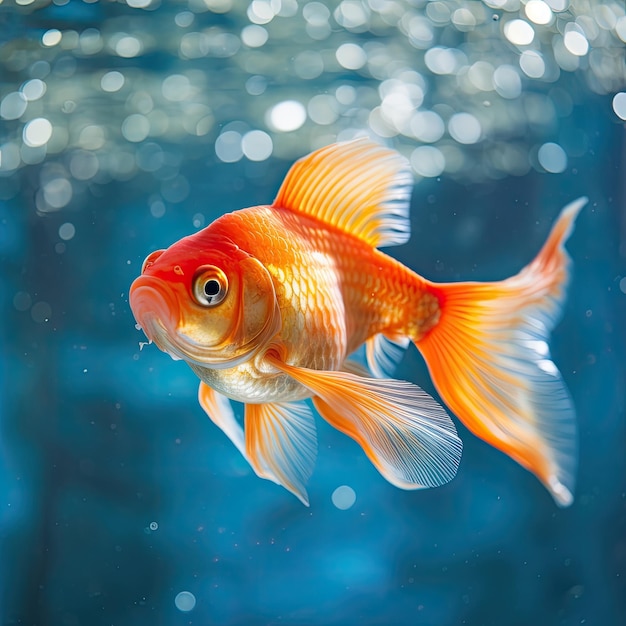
{"x": 156, "y": 310}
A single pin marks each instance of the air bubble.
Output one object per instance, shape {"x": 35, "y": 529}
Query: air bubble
{"x": 185, "y": 601}
{"x": 344, "y": 497}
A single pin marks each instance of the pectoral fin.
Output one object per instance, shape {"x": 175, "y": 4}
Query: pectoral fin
{"x": 220, "y": 411}
{"x": 281, "y": 444}
{"x": 406, "y": 434}
{"x": 218, "y": 408}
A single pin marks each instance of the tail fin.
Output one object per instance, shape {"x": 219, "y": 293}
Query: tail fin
{"x": 489, "y": 359}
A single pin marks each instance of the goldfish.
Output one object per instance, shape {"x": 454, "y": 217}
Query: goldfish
{"x": 270, "y": 306}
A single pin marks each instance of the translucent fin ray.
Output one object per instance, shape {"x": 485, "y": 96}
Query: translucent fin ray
{"x": 282, "y": 438}
{"x": 383, "y": 354}
{"x": 220, "y": 411}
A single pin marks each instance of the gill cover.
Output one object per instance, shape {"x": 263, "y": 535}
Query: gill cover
{"x": 242, "y": 323}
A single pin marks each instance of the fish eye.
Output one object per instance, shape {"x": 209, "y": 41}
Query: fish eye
{"x": 150, "y": 259}
{"x": 210, "y": 285}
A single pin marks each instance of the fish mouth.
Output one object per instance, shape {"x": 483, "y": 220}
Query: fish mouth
{"x": 157, "y": 311}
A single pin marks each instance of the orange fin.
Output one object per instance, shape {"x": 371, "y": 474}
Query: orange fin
{"x": 281, "y": 444}
{"x": 405, "y": 433}
{"x": 358, "y": 186}
{"x": 489, "y": 359}
{"x": 219, "y": 409}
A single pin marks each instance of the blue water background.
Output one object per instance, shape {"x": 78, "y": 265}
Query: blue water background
{"x": 117, "y": 493}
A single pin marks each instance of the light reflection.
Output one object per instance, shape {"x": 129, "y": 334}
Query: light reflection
{"x": 392, "y": 71}
{"x": 257, "y": 145}
{"x": 538, "y": 12}
{"x": 323, "y": 109}
{"x": 552, "y": 158}
{"x": 254, "y": 36}
{"x": 33, "y": 89}
{"x": 13, "y": 105}
{"x": 351, "y": 56}
{"x": 576, "y": 43}
{"x": 127, "y": 46}
{"x": 287, "y": 116}
{"x": 464, "y": 128}
{"x": 428, "y": 161}
{"x": 532, "y": 64}
{"x": 112, "y": 81}
{"x": 51, "y": 37}
{"x": 135, "y": 127}
{"x": 67, "y": 231}
{"x": 37, "y": 132}
{"x": 619, "y": 105}
{"x": 507, "y": 82}
{"x": 519, "y": 32}
{"x": 228, "y": 147}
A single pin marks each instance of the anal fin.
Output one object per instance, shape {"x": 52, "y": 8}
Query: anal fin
{"x": 281, "y": 444}
{"x": 405, "y": 433}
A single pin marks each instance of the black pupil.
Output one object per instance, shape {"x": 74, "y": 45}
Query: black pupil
{"x": 211, "y": 288}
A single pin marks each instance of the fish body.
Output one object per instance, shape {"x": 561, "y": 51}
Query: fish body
{"x": 269, "y": 304}
{"x": 324, "y": 279}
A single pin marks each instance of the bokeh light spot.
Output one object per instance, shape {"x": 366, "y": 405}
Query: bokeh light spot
{"x": 532, "y": 64}
{"x": 228, "y": 147}
{"x": 37, "y": 132}
{"x": 135, "y": 127}
{"x": 507, "y": 82}
{"x": 22, "y": 300}
{"x": 51, "y": 37}
{"x": 257, "y": 145}
{"x": 33, "y": 89}
{"x": 13, "y": 105}
{"x": 619, "y": 105}
{"x": 427, "y": 126}
{"x": 538, "y": 12}
{"x": 464, "y": 128}
{"x": 287, "y": 116}
{"x": 41, "y": 312}
{"x": 128, "y": 47}
{"x": 351, "y": 56}
{"x": 254, "y": 36}
{"x": 176, "y": 88}
{"x": 308, "y": 64}
{"x": 552, "y": 158}
{"x": 57, "y": 193}
{"x": 519, "y": 32}
{"x": 428, "y": 161}
{"x": 576, "y": 43}
{"x": 185, "y": 601}
{"x": 67, "y": 231}
{"x": 112, "y": 81}
{"x": 343, "y": 497}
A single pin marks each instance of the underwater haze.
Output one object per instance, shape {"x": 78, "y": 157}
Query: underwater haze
{"x": 127, "y": 125}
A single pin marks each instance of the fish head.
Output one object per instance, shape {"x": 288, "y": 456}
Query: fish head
{"x": 206, "y": 301}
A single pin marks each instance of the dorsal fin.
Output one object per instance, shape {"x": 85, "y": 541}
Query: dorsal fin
{"x": 358, "y": 186}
